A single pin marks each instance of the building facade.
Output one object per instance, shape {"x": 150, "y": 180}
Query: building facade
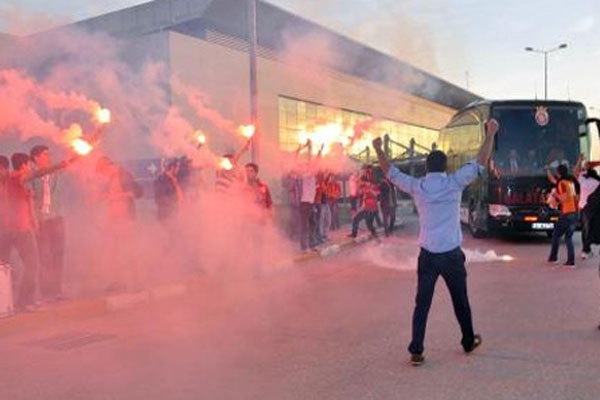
{"x": 307, "y": 74}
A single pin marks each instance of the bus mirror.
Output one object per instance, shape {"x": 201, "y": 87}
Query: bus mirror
{"x": 593, "y": 121}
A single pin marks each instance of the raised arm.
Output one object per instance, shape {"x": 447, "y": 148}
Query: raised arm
{"x": 578, "y": 168}
{"x": 485, "y": 152}
{"x": 550, "y": 176}
{"x": 404, "y": 182}
{"x": 470, "y": 171}
{"x": 38, "y": 173}
{"x": 383, "y": 161}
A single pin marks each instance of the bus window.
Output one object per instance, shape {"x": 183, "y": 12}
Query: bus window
{"x": 525, "y": 146}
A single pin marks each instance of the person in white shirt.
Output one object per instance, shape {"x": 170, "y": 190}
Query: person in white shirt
{"x": 307, "y": 210}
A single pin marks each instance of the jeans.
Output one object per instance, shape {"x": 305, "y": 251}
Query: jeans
{"x": 378, "y": 220}
{"x": 451, "y": 266}
{"x": 324, "y": 220}
{"x": 294, "y": 222}
{"x": 564, "y": 226}
{"x": 369, "y": 216}
{"x": 335, "y": 215}
{"x": 4, "y": 248}
{"x": 354, "y": 200}
{"x": 51, "y": 245}
{"x": 307, "y": 226}
{"x": 585, "y": 232}
{"x": 26, "y": 289}
{"x": 389, "y": 219}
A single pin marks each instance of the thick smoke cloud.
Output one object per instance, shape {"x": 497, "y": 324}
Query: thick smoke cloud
{"x": 58, "y": 79}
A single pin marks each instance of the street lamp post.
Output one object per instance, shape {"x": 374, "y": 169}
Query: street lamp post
{"x": 545, "y": 52}
{"x": 252, "y": 44}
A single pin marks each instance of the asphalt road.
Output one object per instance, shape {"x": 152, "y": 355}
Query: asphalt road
{"x": 333, "y": 329}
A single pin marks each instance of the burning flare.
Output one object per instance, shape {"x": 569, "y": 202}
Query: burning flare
{"x": 226, "y": 164}
{"x": 102, "y": 115}
{"x": 200, "y": 138}
{"x": 73, "y": 136}
{"x": 81, "y": 147}
{"x": 247, "y": 131}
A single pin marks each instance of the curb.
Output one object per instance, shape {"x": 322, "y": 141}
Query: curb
{"x": 17, "y": 323}
{"x": 91, "y": 308}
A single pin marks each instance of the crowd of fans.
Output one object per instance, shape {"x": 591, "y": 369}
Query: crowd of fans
{"x": 315, "y": 198}
{"x": 32, "y": 221}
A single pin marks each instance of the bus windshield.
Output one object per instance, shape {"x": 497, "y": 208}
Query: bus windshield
{"x": 531, "y": 138}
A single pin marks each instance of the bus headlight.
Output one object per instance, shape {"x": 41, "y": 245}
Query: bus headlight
{"x": 499, "y": 210}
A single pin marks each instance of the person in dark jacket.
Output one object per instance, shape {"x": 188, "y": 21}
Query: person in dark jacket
{"x": 387, "y": 203}
{"x": 168, "y": 194}
{"x": 118, "y": 189}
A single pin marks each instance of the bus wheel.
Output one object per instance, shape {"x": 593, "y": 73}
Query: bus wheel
{"x": 476, "y": 232}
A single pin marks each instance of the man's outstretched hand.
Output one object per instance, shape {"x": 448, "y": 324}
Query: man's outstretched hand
{"x": 485, "y": 152}
{"x": 491, "y": 127}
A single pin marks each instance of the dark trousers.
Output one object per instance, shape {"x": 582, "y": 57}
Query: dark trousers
{"x": 335, "y": 215}
{"x": 354, "y": 204}
{"x": 389, "y": 219}
{"x": 51, "y": 245}
{"x": 4, "y": 247}
{"x": 308, "y": 225}
{"x": 451, "y": 266}
{"x": 378, "y": 220}
{"x": 294, "y": 223}
{"x": 24, "y": 243}
{"x": 564, "y": 226}
{"x": 369, "y": 216}
{"x": 586, "y": 240}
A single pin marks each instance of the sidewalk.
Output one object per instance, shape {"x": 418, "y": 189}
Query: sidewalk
{"x": 86, "y": 308}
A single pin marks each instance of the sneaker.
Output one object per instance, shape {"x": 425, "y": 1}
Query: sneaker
{"x": 569, "y": 265}
{"x": 552, "y": 262}
{"x": 417, "y": 359}
{"x": 585, "y": 256}
{"x": 476, "y": 343}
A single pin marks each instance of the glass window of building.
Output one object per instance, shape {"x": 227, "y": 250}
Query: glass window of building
{"x": 297, "y": 116}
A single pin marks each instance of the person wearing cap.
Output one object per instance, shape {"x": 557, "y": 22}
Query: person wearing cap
{"x": 437, "y": 197}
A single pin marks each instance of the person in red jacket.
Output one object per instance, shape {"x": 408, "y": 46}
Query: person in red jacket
{"x": 260, "y": 190}
{"x": 334, "y": 192}
{"x": 369, "y": 192}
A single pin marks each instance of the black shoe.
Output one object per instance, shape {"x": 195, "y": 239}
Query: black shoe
{"x": 417, "y": 359}
{"x": 599, "y": 327}
{"x": 476, "y": 343}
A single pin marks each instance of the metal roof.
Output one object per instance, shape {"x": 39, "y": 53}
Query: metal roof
{"x": 275, "y": 27}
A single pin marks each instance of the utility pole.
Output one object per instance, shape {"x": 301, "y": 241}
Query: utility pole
{"x": 252, "y": 39}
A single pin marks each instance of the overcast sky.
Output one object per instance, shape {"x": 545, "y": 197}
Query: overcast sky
{"x": 483, "y": 39}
